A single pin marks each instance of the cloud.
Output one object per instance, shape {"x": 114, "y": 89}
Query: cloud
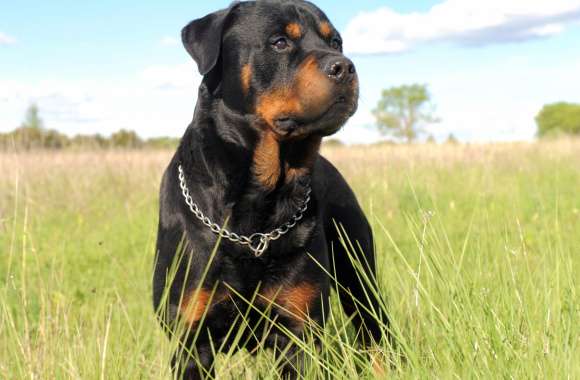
{"x": 157, "y": 101}
{"x": 360, "y": 129}
{"x": 169, "y": 41}
{"x": 166, "y": 77}
{"x": 6, "y": 39}
{"x": 465, "y": 23}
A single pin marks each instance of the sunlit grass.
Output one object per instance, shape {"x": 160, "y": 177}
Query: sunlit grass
{"x": 478, "y": 247}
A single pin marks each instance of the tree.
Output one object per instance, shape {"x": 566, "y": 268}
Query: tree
{"x": 558, "y": 119}
{"x": 402, "y": 111}
{"x": 162, "y": 143}
{"x": 32, "y": 118}
{"x": 126, "y": 139}
{"x": 451, "y": 139}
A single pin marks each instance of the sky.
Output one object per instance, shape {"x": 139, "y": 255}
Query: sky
{"x": 490, "y": 65}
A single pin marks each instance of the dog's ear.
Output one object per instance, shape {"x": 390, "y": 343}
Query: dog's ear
{"x": 202, "y": 38}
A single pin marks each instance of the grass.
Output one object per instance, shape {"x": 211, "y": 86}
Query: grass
{"x": 478, "y": 250}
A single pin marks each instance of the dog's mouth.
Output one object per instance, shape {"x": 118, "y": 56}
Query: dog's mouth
{"x": 327, "y": 123}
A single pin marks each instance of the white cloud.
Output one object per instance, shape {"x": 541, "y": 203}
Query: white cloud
{"x": 171, "y": 76}
{"x": 159, "y": 100}
{"x": 5, "y": 39}
{"x": 360, "y": 128}
{"x": 169, "y": 41}
{"x": 463, "y": 22}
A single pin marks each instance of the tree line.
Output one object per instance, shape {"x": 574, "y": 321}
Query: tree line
{"x": 402, "y": 112}
{"x": 32, "y": 134}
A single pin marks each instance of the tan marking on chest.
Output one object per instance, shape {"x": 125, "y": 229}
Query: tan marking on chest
{"x": 293, "y": 301}
{"x": 246, "y": 78}
{"x": 267, "y": 160}
{"x": 197, "y": 303}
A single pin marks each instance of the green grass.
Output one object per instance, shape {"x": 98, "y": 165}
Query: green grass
{"x": 478, "y": 249}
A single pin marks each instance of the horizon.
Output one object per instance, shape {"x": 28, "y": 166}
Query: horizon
{"x": 489, "y": 66}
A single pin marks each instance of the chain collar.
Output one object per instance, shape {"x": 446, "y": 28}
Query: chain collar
{"x": 258, "y": 243}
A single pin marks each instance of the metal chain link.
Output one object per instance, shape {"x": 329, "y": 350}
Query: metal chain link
{"x": 258, "y": 242}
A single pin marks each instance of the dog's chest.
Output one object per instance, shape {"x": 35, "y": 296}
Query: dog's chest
{"x": 288, "y": 284}
{"x": 282, "y": 262}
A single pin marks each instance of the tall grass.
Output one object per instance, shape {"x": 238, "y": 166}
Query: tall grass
{"x": 478, "y": 251}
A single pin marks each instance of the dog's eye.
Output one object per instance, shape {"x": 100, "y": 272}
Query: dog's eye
{"x": 336, "y": 44}
{"x": 280, "y": 44}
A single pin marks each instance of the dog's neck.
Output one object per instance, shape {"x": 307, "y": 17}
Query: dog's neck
{"x": 246, "y": 174}
{"x": 269, "y": 161}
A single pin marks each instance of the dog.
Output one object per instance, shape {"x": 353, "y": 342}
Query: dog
{"x": 251, "y": 214}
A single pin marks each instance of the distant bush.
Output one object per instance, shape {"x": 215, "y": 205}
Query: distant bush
{"x": 333, "y": 143}
{"x": 96, "y": 141}
{"x": 451, "y": 139}
{"x": 559, "y": 119}
{"x": 29, "y": 138}
{"x": 32, "y": 135}
{"x": 126, "y": 139}
{"x": 162, "y": 143}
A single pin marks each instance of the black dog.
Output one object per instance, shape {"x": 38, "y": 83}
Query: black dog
{"x": 275, "y": 82}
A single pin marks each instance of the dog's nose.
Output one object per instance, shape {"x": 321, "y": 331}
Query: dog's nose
{"x": 340, "y": 70}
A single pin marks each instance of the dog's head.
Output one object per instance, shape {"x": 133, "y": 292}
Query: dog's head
{"x": 281, "y": 61}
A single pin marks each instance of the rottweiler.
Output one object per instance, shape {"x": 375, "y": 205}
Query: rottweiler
{"x": 253, "y": 221}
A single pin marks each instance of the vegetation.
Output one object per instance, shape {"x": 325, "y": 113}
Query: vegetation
{"x": 559, "y": 119}
{"x": 33, "y": 135}
{"x": 402, "y": 111}
{"x": 26, "y": 138}
{"x": 477, "y": 247}
{"x": 32, "y": 119}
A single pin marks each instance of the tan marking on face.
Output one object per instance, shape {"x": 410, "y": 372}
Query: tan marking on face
{"x": 277, "y": 102}
{"x": 293, "y": 301}
{"x": 194, "y": 305}
{"x": 308, "y": 95}
{"x": 267, "y": 160}
{"x": 325, "y": 29}
{"x": 314, "y": 88}
{"x": 294, "y": 31}
{"x": 246, "y": 78}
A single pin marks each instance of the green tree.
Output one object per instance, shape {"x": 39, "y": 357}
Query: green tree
{"x": 126, "y": 139}
{"x": 451, "y": 139}
{"x": 332, "y": 142}
{"x": 162, "y": 143}
{"x": 32, "y": 118}
{"x": 559, "y": 119}
{"x": 403, "y": 110}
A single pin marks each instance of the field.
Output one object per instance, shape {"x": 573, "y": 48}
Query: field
{"x": 478, "y": 246}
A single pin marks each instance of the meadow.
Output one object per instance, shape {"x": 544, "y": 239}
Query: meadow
{"x": 478, "y": 250}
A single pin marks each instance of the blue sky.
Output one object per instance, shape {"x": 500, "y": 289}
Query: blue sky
{"x": 100, "y": 66}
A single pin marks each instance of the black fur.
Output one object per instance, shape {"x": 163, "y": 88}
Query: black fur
{"x": 217, "y": 153}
